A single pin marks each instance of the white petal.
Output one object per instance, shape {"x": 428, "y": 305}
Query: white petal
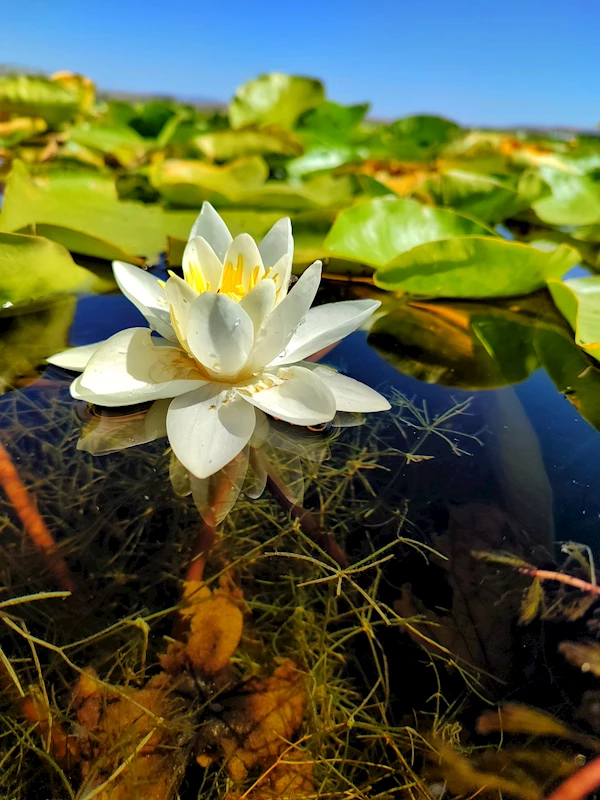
{"x": 208, "y": 428}
{"x": 298, "y": 396}
{"x": 256, "y": 477}
{"x": 130, "y": 369}
{"x": 325, "y": 325}
{"x": 243, "y": 253}
{"x": 76, "y": 358}
{"x": 216, "y": 495}
{"x": 180, "y": 296}
{"x": 211, "y": 227}
{"x": 147, "y": 295}
{"x": 259, "y": 303}
{"x": 199, "y": 256}
{"x": 277, "y": 243}
{"x": 281, "y": 274}
{"x": 109, "y": 434}
{"x": 350, "y": 395}
{"x": 287, "y": 316}
{"x": 220, "y": 333}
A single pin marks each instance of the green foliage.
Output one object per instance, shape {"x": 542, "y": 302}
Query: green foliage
{"x": 274, "y": 99}
{"x": 474, "y": 266}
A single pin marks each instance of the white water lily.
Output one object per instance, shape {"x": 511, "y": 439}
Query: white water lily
{"x": 232, "y": 341}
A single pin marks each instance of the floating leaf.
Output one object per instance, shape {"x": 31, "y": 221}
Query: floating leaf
{"x": 274, "y": 99}
{"x": 578, "y": 300}
{"x": 29, "y": 95}
{"x": 574, "y": 198}
{"x": 15, "y": 130}
{"x": 475, "y": 266}
{"x": 377, "y": 231}
{"x": 34, "y": 268}
{"x": 226, "y": 145}
{"x": 484, "y": 197}
{"x": 82, "y": 210}
{"x": 122, "y": 143}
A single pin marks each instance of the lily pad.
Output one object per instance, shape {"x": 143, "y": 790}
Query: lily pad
{"x": 274, "y": 99}
{"x": 122, "y": 143}
{"x": 226, "y": 145}
{"x": 377, "y": 231}
{"x": 29, "y": 95}
{"x": 574, "y": 198}
{"x": 484, "y": 197}
{"x": 82, "y": 209}
{"x": 32, "y": 268}
{"x": 578, "y": 300}
{"x": 475, "y": 266}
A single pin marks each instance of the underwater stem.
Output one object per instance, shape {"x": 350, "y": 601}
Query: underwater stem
{"x": 549, "y": 575}
{"x": 581, "y": 784}
{"x": 35, "y": 527}
{"x": 307, "y": 521}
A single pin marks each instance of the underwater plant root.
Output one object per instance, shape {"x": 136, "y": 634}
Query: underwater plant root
{"x": 35, "y": 526}
{"x": 579, "y": 785}
{"x": 549, "y": 575}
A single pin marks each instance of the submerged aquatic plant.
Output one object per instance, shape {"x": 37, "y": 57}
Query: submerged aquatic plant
{"x": 231, "y": 346}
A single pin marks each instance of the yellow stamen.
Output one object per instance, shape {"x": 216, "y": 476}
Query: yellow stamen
{"x": 194, "y": 277}
{"x": 254, "y": 277}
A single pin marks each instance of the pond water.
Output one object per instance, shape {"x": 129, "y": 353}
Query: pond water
{"x": 452, "y": 469}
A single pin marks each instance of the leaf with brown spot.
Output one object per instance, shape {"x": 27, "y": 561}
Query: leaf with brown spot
{"x": 258, "y": 723}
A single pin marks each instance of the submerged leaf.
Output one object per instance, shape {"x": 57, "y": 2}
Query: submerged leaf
{"x": 585, "y": 655}
{"x": 518, "y": 718}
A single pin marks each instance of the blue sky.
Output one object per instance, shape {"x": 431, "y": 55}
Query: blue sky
{"x": 476, "y": 61}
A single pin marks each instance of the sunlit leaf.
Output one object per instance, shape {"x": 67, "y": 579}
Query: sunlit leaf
{"x": 475, "y": 266}
{"x": 32, "y": 268}
{"x": 225, "y": 145}
{"x": 574, "y": 198}
{"x": 578, "y": 300}
{"x": 377, "y": 231}
{"x": 274, "y": 99}
{"x": 17, "y": 129}
{"x": 29, "y": 95}
{"x": 482, "y": 196}
{"x": 82, "y": 210}
{"x": 123, "y": 143}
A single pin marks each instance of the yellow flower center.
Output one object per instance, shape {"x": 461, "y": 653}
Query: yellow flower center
{"x": 231, "y": 280}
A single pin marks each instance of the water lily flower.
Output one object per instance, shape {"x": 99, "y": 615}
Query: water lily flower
{"x": 230, "y": 341}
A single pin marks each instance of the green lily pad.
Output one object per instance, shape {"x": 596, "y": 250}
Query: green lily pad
{"x": 34, "y": 268}
{"x": 189, "y": 183}
{"x": 578, "y": 300}
{"x": 83, "y": 210}
{"x": 122, "y": 143}
{"x": 226, "y": 145}
{"x": 574, "y": 198}
{"x": 483, "y": 197}
{"x": 274, "y": 99}
{"x": 377, "y": 231}
{"x": 29, "y": 95}
{"x": 475, "y": 266}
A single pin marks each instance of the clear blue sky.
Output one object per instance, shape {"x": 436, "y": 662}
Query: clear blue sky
{"x": 477, "y": 61}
